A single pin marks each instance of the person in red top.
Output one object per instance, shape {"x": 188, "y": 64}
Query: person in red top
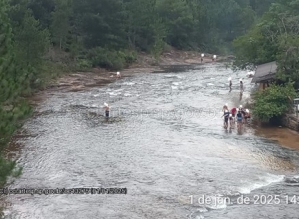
{"x": 233, "y": 112}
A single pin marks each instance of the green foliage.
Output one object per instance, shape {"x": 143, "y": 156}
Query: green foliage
{"x": 60, "y": 25}
{"x": 83, "y": 65}
{"x": 31, "y": 40}
{"x": 273, "y": 101}
{"x": 110, "y": 59}
{"x": 274, "y": 37}
{"x": 5, "y": 170}
{"x": 51, "y": 71}
{"x": 12, "y": 83}
{"x": 288, "y": 63}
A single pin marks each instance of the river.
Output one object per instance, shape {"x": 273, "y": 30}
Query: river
{"x": 165, "y": 143}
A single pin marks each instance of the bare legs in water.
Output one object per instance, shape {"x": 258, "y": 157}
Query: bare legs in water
{"x": 241, "y": 94}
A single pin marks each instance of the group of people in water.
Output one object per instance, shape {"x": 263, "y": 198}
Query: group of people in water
{"x": 239, "y": 114}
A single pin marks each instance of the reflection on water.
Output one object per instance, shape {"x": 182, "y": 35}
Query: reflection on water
{"x": 164, "y": 142}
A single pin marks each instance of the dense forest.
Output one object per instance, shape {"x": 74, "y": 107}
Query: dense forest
{"x": 274, "y": 37}
{"x": 39, "y": 38}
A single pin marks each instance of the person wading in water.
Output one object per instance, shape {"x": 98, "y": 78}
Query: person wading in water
{"x": 107, "y": 109}
{"x": 214, "y": 58}
{"x": 233, "y": 112}
{"x": 118, "y": 75}
{"x": 241, "y": 89}
{"x": 239, "y": 118}
{"x": 225, "y": 107}
{"x": 230, "y": 84}
{"x": 241, "y": 86}
{"x": 226, "y": 116}
{"x": 231, "y": 120}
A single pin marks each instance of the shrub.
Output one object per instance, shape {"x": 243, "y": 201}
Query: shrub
{"x": 111, "y": 59}
{"x": 83, "y": 64}
{"x": 274, "y": 101}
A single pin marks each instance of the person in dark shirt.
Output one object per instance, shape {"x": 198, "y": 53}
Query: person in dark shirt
{"x": 230, "y": 86}
{"x": 107, "y": 108}
{"x": 241, "y": 86}
{"x": 243, "y": 115}
{"x": 239, "y": 118}
{"x": 226, "y": 116}
{"x": 225, "y": 107}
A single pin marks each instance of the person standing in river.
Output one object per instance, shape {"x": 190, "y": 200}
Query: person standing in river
{"x": 225, "y": 107}
{"x": 241, "y": 86}
{"x": 230, "y": 84}
{"x": 239, "y": 118}
{"x": 247, "y": 115}
{"x": 107, "y": 109}
{"x": 202, "y": 55}
{"x": 231, "y": 120}
{"x": 226, "y": 117}
{"x": 214, "y": 58}
{"x": 118, "y": 75}
{"x": 233, "y": 112}
{"x": 241, "y": 89}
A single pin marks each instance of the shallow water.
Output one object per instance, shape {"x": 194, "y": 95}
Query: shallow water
{"x": 165, "y": 143}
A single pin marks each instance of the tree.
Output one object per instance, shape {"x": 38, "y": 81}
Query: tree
{"x": 273, "y": 38}
{"x": 100, "y": 23}
{"x": 144, "y": 28}
{"x": 272, "y": 102}
{"x": 41, "y": 10}
{"x": 8, "y": 85}
{"x": 31, "y": 41}
{"x": 7, "y": 58}
{"x": 60, "y": 25}
{"x": 288, "y": 63}
{"x": 179, "y": 21}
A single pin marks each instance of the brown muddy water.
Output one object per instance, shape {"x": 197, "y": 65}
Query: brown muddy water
{"x": 164, "y": 143}
{"x": 284, "y": 136}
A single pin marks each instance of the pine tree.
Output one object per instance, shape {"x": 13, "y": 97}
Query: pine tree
{"x": 6, "y": 85}
{"x": 6, "y": 55}
{"x": 60, "y": 21}
{"x": 31, "y": 40}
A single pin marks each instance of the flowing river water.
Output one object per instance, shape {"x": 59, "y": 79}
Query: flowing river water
{"x": 165, "y": 143}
